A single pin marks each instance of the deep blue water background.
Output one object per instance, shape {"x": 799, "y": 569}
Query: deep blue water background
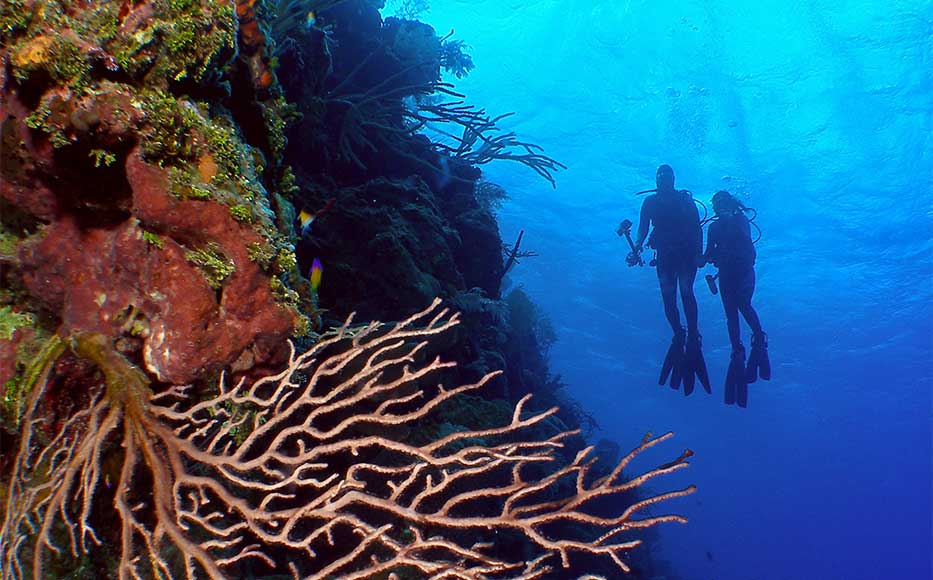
{"x": 820, "y": 115}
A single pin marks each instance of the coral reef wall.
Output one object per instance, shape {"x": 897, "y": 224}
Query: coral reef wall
{"x": 157, "y": 157}
{"x": 184, "y": 184}
{"x": 146, "y": 194}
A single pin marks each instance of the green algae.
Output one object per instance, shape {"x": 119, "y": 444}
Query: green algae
{"x": 10, "y": 321}
{"x": 286, "y": 261}
{"x": 14, "y": 18}
{"x": 102, "y": 157}
{"x": 40, "y": 120}
{"x": 215, "y": 266}
{"x": 17, "y": 390}
{"x": 8, "y": 247}
{"x": 288, "y": 183}
{"x": 283, "y": 294}
{"x": 241, "y": 213}
{"x": 184, "y": 185}
{"x": 262, "y": 254}
{"x": 153, "y": 239}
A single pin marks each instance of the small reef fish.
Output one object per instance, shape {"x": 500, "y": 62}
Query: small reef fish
{"x": 306, "y": 218}
{"x": 317, "y": 270}
{"x": 310, "y": 19}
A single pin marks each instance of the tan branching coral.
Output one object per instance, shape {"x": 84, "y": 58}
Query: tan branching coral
{"x": 316, "y": 471}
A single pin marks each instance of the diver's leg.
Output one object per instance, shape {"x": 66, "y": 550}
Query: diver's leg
{"x": 695, "y": 364}
{"x": 759, "y": 363}
{"x": 673, "y": 363}
{"x": 736, "y": 385}
{"x": 667, "y": 277}
{"x": 687, "y": 275}
{"x": 747, "y": 290}
{"x": 727, "y": 291}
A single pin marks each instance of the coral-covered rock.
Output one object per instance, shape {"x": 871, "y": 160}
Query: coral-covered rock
{"x": 129, "y": 208}
{"x": 140, "y": 279}
{"x": 37, "y": 175}
{"x": 21, "y": 158}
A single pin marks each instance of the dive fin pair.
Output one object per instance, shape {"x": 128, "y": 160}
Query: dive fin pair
{"x": 759, "y": 365}
{"x": 741, "y": 374}
{"x": 684, "y": 363}
{"x": 736, "y": 383}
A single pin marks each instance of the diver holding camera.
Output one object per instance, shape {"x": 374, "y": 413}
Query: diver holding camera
{"x": 678, "y": 240}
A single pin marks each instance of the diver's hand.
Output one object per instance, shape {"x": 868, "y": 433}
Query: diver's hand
{"x": 634, "y": 258}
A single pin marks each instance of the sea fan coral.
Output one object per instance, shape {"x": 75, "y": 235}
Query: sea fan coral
{"x": 312, "y": 471}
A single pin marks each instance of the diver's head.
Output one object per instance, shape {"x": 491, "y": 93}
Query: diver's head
{"x": 665, "y": 178}
{"x": 724, "y": 203}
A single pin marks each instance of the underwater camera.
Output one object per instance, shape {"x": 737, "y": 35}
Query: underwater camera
{"x": 634, "y": 258}
{"x": 711, "y": 282}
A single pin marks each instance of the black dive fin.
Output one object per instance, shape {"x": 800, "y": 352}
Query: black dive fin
{"x": 759, "y": 365}
{"x": 695, "y": 365}
{"x": 736, "y": 385}
{"x": 691, "y": 350}
{"x": 667, "y": 367}
{"x": 764, "y": 366}
{"x": 741, "y": 391}
{"x": 703, "y": 375}
{"x": 689, "y": 380}
{"x": 673, "y": 362}
{"x": 729, "y": 391}
{"x": 677, "y": 374}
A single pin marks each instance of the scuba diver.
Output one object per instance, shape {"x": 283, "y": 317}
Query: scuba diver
{"x": 730, "y": 248}
{"x": 678, "y": 240}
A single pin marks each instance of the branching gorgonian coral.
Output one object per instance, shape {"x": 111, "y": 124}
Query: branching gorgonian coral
{"x": 317, "y": 472}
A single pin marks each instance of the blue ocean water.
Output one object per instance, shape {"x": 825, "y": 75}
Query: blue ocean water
{"x": 819, "y": 115}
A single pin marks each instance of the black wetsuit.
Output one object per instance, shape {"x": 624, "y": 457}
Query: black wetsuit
{"x": 678, "y": 239}
{"x": 730, "y": 248}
